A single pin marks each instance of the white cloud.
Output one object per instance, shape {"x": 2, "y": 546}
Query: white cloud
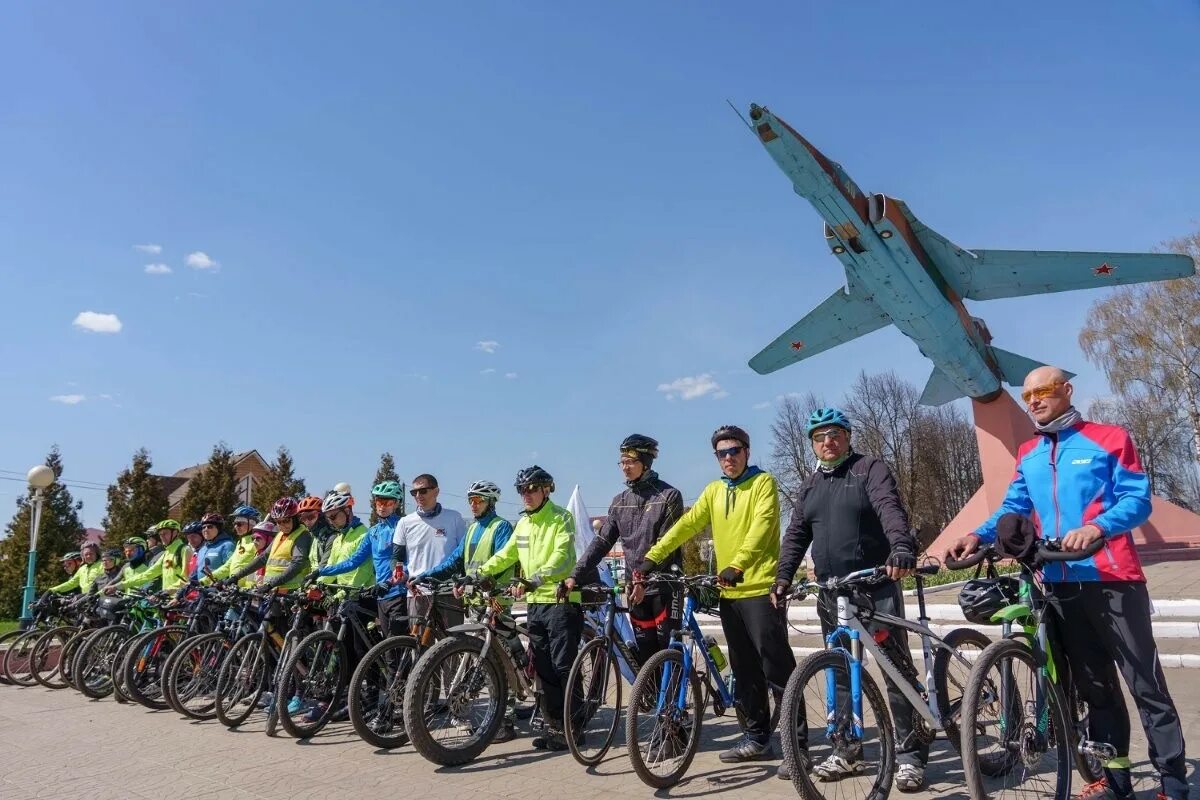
{"x": 152, "y": 249}
{"x": 761, "y": 406}
{"x": 489, "y": 346}
{"x": 68, "y": 399}
{"x": 106, "y": 397}
{"x": 158, "y": 269}
{"x": 691, "y": 387}
{"x": 201, "y": 260}
{"x": 97, "y": 323}
{"x": 487, "y": 371}
{"x": 510, "y": 375}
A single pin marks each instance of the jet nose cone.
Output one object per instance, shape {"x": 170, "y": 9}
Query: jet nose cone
{"x": 756, "y": 112}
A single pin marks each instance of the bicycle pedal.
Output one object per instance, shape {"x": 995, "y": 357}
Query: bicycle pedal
{"x": 1101, "y": 750}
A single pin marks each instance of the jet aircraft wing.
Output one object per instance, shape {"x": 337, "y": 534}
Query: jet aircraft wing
{"x": 839, "y": 319}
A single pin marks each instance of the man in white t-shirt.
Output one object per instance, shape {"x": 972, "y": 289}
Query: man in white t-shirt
{"x": 423, "y": 539}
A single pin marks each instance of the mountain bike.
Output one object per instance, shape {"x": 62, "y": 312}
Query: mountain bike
{"x": 18, "y": 664}
{"x": 93, "y": 670}
{"x": 1023, "y": 723}
{"x": 377, "y": 704}
{"x": 592, "y": 694}
{"x": 187, "y": 614}
{"x": 852, "y": 722}
{"x": 192, "y": 668}
{"x": 49, "y": 652}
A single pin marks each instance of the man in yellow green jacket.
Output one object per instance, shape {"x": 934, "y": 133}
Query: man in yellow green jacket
{"x": 742, "y": 507}
{"x": 170, "y": 570}
{"x": 543, "y": 543}
{"x": 84, "y": 577}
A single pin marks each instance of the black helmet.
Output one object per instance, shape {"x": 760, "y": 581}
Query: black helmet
{"x": 983, "y": 597}
{"x": 643, "y": 448}
{"x": 534, "y": 476}
{"x": 115, "y": 553}
{"x": 730, "y": 432}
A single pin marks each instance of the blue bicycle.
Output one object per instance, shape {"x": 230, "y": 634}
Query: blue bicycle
{"x": 666, "y": 706}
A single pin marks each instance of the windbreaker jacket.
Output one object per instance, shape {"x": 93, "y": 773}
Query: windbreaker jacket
{"x": 82, "y": 579}
{"x": 1087, "y": 474}
{"x": 543, "y": 543}
{"x": 638, "y": 516}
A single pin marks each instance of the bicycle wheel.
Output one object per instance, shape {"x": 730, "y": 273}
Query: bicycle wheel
{"x": 47, "y": 656}
{"x": 144, "y": 662}
{"x": 117, "y": 670}
{"x": 69, "y": 653}
{"x": 242, "y": 679}
{"x": 5, "y": 640}
{"x": 1012, "y": 748}
{"x": 18, "y": 658}
{"x": 663, "y": 736}
{"x": 592, "y": 702}
{"x": 454, "y": 701}
{"x": 313, "y": 684}
{"x": 820, "y": 742}
{"x": 950, "y": 676}
{"x": 192, "y": 675}
{"x": 93, "y": 672}
{"x": 377, "y": 692}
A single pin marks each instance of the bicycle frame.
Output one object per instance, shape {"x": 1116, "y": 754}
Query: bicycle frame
{"x": 691, "y": 631}
{"x": 618, "y": 648}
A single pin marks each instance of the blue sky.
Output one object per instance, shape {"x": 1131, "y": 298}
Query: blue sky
{"x": 375, "y": 189}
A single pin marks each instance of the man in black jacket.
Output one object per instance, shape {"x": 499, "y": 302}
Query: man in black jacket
{"x": 638, "y": 516}
{"x": 849, "y": 512}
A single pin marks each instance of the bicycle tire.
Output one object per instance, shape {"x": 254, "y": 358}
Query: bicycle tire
{"x": 647, "y": 684}
{"x": 18, "y": 658}
{"x": 293, "y": 678}
{"x": 241, "y": 680}
{"x": 798, "y": 756}
{"x": 93, "y": 672}
{"x": 604, "y": 668}
{"x": 5, "y": 639}
{"x": 948, "y": 704}
{"x": 48, "y": 654}
{"x": 70, "y": 652}
{"x": 144, "y": 672}
{"x": 197, "y": 663}
{"x": 390, "y": 670}
{"x": 428, "y": 669}
{"x": 117, "y": 671}
{"x": 1013, "y": 751}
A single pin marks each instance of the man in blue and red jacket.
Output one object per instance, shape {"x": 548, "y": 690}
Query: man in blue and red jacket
{"x": 1082, "y": 481}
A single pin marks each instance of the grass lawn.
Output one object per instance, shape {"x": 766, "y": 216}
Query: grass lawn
{"x": 7, "y": 625}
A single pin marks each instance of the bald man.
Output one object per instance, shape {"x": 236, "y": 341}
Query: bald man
{"x": 1081, "y": 481}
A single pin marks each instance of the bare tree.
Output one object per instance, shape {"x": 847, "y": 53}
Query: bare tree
{"x": 1163, "y": 438}
{"x": 792, "y": 459}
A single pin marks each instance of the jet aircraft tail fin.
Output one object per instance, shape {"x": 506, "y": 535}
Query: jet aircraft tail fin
{"x": 1014, "y": 368}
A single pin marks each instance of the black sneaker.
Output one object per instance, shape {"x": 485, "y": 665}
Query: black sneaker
{"x": 507, "y": 733}
{"x": 748, "y": 750}
{"x": 551, "y": 740}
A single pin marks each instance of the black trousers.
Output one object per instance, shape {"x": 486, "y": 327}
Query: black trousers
{"x": 760, "y": 657}
{"x": 554, "y": 632}
{"x": 652, "y": 625}
{"x": 1104, "y": 626}
{"x": 889, "y": 600}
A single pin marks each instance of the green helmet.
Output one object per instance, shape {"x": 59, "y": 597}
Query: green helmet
{"x": 135, "y": 541}
{"x": 168, "y": 523}
{"x": 389, "y": 489}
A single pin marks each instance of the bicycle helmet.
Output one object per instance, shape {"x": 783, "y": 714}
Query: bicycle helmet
{"x": 387, "y": 489}
{"x": 168, "y": 523}
{"x": 114, "y": 553}
{"x": 249, "y": 512}
{"x": 485, "y": 489}
{"x": 284, "y": 508}
{"x": 191, "y": 527}
{"x": 74, "y": 555}
{"x": 265, "y": 530}
{"x": 335, "y": 500}
{"x": 212, "y": 518}
{"x": 826, "y": 416}
{"x": 534, "y": 476}
{"x": 980, "y": 598}
{"x": 730, "y": 432}
{"x": 135, "y": 541}
{"x": 643, "y": 447}
{"x": 310, "y": 503}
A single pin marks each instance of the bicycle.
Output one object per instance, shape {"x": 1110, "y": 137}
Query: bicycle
{"x": 94, "y": 614}
{"x": 1029, "y": 731}
{"x": 192, "y": 668}
{"x": 93, "y": 672}
{"x": 144, "y": 667}
{"x": 314, "y": 679}
{"x": 384, "y": 671}
{"x": 18, "y": 663}
{"x": 839, "y": 685}
{"x": 593, "y": 689}
{"x": 50, "y": 650}
{"x": 147, "y": 615}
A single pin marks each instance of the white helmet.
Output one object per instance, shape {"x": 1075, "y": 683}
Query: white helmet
{"x": 342, "y": 488}
{"x": 335, "y": 500}
{"x": 485, "y": 489}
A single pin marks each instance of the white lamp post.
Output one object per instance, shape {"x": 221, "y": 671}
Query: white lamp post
{"x": 40, "y": 479}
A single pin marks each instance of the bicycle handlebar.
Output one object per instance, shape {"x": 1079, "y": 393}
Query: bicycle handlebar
{"x": 1047, "y": 550}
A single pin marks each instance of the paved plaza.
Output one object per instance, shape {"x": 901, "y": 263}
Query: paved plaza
{"x": 58, "y": 744}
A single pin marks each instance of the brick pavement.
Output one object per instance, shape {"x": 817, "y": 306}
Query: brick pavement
{"x": 57, "y": 744}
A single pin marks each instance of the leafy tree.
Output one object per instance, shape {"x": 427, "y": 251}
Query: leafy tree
{"x": 135, "y": 501}
{"x": 1148, "y": 336}
{"x": 280, "y": 481}
{"x": 387, "y": 472}
{"x": 214, "y": 487}
{"x": 60, "y": 532}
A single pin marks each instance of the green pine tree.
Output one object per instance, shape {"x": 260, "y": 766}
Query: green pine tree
{"x": 214, "y": 488}
{"x": 386, "y": 472}
{"x": 60, "y": 532}
{"x": 280, "y": 481}
{"x": 135, "y": 501}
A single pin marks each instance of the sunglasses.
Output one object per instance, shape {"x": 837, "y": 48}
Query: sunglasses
{"x": 729, "y": 452}
{"x": 422, "y": 490}
{"x": 1041, "y": 392}
{"x": 240, "y": 523}
{"x": 524, "y": 490}
{"x": 628, "y": 462}
{"x": 308, "y": 514}
{"x": 821, "y": 436}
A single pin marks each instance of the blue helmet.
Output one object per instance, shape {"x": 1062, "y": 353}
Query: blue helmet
{"x": 249, "y": 512}
{"x": 826, "y": 416}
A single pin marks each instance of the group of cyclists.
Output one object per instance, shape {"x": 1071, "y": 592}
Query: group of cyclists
{"x": 847, "y": 516}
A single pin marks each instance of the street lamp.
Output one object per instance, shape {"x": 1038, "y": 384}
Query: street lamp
{"x": 40, "y": 478}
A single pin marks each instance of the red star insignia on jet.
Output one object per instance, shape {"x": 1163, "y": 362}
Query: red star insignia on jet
{"x": 1103, "y": 269}
{"x": 797, "y": 345}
